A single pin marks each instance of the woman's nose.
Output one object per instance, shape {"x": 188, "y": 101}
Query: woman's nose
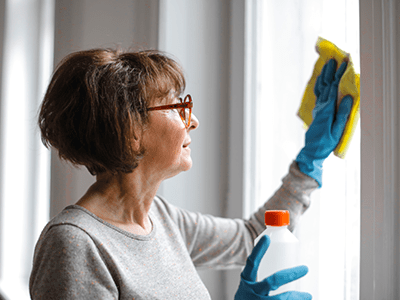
{"x": 194, "y": 122}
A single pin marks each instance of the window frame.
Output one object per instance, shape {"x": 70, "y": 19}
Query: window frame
{"x": 380, "y": 142}
{"x": 380, "y": 150}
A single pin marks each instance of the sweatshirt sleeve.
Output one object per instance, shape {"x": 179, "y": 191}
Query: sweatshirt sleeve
{"x": 212, "y": 242}
{"x": 293, "y": 195}
{"x": 68, "y": 265}
{"x": 224, "y": 243}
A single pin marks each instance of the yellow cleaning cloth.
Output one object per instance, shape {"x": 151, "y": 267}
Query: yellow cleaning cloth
{"x": 348, "y": 85}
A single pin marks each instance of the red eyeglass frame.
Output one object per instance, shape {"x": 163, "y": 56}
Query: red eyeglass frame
{"x": 183, "y": 104}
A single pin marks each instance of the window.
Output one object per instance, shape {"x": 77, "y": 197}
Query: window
{"x": 286, "y": 34}
{"x": 24, "y": 162}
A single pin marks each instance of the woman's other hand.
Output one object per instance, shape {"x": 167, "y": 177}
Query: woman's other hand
{"x": 327, "y": 127}
{"x": 249, "y": 288}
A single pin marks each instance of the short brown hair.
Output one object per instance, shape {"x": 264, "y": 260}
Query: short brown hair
{"x": 97, "y": 100}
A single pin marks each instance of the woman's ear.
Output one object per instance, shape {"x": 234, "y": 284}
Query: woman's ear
{"x": 136, "y": 130}
{"x": 137, "y": 135}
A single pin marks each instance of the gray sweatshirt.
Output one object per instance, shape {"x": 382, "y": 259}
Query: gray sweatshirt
{"x": 80, "y": 256}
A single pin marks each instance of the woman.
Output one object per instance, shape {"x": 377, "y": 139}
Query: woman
{"x": 119, "y": 114}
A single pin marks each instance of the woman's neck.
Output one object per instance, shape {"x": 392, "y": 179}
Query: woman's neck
{"x": 123, "y": 200}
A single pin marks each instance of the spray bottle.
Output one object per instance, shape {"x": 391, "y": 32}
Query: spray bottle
{"x": 283, "y": 250}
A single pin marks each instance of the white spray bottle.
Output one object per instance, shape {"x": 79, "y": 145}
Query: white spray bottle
{"x": 283, "y": 250}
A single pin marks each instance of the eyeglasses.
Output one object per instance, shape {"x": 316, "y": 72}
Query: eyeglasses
{"x": 184, "y": 108}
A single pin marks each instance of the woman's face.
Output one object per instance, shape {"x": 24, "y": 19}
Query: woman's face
{"x": 166, "y": 141}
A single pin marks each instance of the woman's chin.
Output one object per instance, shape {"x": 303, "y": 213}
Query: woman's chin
{"x": 183, "y": 167}
{"x": 187, "y": 164}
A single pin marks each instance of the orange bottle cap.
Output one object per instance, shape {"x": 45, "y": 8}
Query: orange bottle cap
{"x": 277, "y": 218}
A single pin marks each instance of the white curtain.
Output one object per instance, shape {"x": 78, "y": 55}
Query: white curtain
{"x": 287, "y": 32}
{"x": 27, "y": 61}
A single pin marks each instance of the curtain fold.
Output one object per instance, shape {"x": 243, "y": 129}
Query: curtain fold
{"x": 24, "y": 187}
{"x": 329, "y": 230}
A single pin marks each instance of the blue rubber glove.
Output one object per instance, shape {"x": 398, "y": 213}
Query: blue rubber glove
{"x": 250, "y": 289}
{"x": 327, "y": 127}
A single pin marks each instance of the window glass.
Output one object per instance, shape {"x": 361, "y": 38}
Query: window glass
{"x": 287, "y": 32}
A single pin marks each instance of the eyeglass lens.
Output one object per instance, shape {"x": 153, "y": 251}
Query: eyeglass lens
{"x": 185, "y": 113}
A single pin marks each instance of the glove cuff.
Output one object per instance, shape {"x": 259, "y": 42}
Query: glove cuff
{"x": 310, "y": 167}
